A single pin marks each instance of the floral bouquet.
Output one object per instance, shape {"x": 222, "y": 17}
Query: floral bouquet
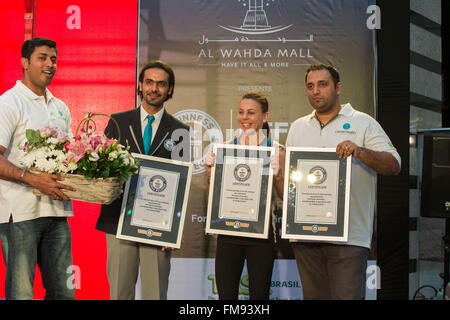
{"x": 94, "y": 165}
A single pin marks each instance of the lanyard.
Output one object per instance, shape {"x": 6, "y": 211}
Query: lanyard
{"x": 266, "y": 143}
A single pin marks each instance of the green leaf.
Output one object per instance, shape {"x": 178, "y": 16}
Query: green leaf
{"x": 105, "y": 173}
{"x": 33, "y": 136}
{"x": 115, "y": 163}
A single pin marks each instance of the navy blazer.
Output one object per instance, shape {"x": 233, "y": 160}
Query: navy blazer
{"x": 130, "y": 121}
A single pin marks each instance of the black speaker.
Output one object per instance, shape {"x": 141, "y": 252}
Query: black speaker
{"x": 435, "y": 198}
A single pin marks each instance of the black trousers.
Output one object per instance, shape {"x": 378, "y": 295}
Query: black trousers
{"x": 229, "y": 263}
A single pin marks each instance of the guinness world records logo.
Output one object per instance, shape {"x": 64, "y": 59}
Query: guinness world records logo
{"x": 157, "y": 183}
{"x": 204, "y": 131}
{"x": 319, "y": 173}
{"x": 242, "y": 172}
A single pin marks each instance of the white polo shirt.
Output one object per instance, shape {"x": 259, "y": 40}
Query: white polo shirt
{"x": 364, "y": 131}
{"x": 21, "y": 109}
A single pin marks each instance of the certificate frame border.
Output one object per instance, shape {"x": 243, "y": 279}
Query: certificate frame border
{"x": 210, "y": 229}
{"x": 317, "y": 235}
{"x": 176, "y": 233}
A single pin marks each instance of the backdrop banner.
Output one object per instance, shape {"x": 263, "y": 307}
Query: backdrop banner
{"x": 221, "y": 49}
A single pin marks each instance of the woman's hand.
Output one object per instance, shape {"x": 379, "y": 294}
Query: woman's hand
{"x": 277, "y": 163}
{"x": 210, "y": 160}
{"x": 209, "y": 163}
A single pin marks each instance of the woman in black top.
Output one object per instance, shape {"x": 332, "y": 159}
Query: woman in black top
{"x": 232, "y": 251}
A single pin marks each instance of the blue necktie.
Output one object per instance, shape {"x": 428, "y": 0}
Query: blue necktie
{"x": 148, "y": 134}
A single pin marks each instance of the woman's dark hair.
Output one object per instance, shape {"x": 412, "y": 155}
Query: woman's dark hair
{"x": 159, "y": 65}
{"x": 262, "y": 100}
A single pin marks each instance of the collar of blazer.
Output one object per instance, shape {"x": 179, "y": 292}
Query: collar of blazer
{"x": 162, "y": 132}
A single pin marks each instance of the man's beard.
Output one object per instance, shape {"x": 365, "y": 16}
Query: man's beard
{"x": 158, "y": 102}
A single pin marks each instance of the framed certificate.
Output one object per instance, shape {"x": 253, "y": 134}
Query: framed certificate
{"x": 240, "y": 191}
{"x": 316, "y": 195}
{"x": 154, "y": 202}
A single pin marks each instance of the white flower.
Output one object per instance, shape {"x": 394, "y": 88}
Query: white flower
{"x": 124, "y": 157}
{"x": 132, "y": 163}
{"x": 41, "y": 164}
{"x": 44, "y": 159}
{"x": 65, "y": 167}
{"x": 93, "y": 156}
{"x": 113, "y": 155}
{"x": 28, "y": 159}
{"x": 52, "y": 140}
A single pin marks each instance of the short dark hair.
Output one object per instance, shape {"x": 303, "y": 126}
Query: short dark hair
{"x": 159, "y": 65}
{"x": 321, "y": 66}
{"x": 29, "y": 46}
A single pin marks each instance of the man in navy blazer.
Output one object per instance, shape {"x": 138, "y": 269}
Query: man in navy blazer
{"x": 156, "y": 85}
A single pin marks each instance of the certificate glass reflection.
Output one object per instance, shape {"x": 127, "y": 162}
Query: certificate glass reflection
{"x": 241, "y": 184}
{"x": 317, "y": 189}
{"x": 154, "y": 202}
{"x": 240, "y": 191}
{"x": 316, "y": 198}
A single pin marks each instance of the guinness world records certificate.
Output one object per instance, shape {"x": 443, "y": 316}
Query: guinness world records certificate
{"x": 316, "y": 195}
{"x": 317, "y": 192}
{"x": 155, "y": 199}
{"x": 240, "y": 191}
{"x": 241, "y": 181}
{"x": 154, "y": 203}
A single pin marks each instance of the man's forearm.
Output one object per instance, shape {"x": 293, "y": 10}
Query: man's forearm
{"x": 44, "y": 182}
{"x": 382, "y": 162}
{"x": 10, "y": 172}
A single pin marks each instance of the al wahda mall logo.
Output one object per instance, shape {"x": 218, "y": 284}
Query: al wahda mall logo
{"x": 255, "y": 19}
{"x": 255, "y": 39}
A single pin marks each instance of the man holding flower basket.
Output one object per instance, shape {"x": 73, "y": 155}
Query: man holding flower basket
{"x": 34, "y": 230}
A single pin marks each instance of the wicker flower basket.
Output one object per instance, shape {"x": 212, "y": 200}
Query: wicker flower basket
{"x": 103, "y": 191}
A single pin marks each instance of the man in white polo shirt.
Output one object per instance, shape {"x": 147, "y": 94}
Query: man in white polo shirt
{"x": 338, "y": 270}
{"x": 33, "y": 230}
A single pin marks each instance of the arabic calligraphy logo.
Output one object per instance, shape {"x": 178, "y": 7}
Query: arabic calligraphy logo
{"x": 255, "y": 20}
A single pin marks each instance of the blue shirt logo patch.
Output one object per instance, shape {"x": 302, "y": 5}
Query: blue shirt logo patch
{"x": 346, "y": 126}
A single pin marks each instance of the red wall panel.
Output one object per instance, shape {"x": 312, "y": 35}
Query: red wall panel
{"x": 96, "y": 73}
{"x": 12, "y": 26}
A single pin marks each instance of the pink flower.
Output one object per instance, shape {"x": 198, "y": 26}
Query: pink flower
{"x": 77, "y": 150}
{"x": 62, "y": 136}
{"x": 46, "y": 132}
{"x": 69, "y": 145}
{"x": 109, "y": 142}
{"x": 95, "y": 141}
